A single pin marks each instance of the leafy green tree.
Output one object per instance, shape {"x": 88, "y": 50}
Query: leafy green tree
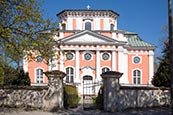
{"x": 7, "y": 72}
{"x": 162, "y": 76}
{"x": 22, "y": 79}
{"x": 21, "y": 30}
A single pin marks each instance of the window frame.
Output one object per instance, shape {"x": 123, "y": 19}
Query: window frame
{"x": 84, "y": 53}
{"x": 140, "y": 61}
{"x": 39, "y": 77}
{"x": 69, "y": 75}
{"x": 72, "y": 55}
{"x": 103, "y": 54}
{"x": 136, "y": 77}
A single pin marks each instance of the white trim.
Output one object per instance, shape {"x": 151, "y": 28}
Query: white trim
{"x": 123, "y": 59}
{"x": 77, "y": 64}
{"x": 87, "y": 51}
{"x": 25, "y": 64}
{"x": 139, "y": 61}
{"x": 87, "y": 71}
{"x": 151, "y": 65}
{"x": 114, "y": 61}
{"x": 61, "y": 61}
{"x": 69, "y": 24}
{"x": 96, "y": 23}
{"x": 37, "y": 84}
{"x": 78, "y": 23}
{"x": 140, "y": 76}
{"x": 87, "y": 20}
{"x": 106, "y": 23}
{"x": 108, "y": 54}
{"x": 73, "y": 73}
{"x": 35, "y": 75}
{"x": 72, "y": 54}
{"x": 83, "y": 48}
{"x": 98, "y": 77}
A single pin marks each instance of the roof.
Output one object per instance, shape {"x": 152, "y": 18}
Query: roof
{"x": 109, "y": 13}
{"x": 136, "y": 42}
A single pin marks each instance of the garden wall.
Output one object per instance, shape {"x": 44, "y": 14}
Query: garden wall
{"x": 32, "y": 97}
{"x": 48, "y": 98}
{"x": 118, "y": 98}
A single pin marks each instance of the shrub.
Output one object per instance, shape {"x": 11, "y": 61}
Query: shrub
{"x": 99, "y": 100}
{"x": 71, "y": 97}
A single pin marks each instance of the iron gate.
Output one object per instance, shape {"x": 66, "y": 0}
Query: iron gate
{"x": 90, "y": 91}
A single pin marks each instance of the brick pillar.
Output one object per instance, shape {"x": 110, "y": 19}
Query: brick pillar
{"x": 53, "y": 99}
{"x": 111, "y": 89}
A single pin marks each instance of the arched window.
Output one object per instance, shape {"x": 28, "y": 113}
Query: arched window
{"x": 105, "y": 69}
{"x": 63, "y": 26}
{"x": 88, "y": 26}
{"x": 39, "y": 75}
{"x": 112, "y": 27}
{"x": 136, "y": 77}
{"x": 70, "y": 75}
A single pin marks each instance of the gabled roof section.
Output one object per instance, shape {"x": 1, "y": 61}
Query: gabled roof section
{"x": 89, "y": 37}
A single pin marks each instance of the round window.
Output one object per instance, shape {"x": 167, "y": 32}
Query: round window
{"x": 39, "y": 59}
{"x": 69, "y": 56}
{"x": 105, "y": 56}
{"x": 136, "y": 59}
{"x": 87, "y": 56}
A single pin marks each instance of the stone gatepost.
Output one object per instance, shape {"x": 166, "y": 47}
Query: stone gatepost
{"x": 111, "y": 89}
{"x": 53, "y": 99}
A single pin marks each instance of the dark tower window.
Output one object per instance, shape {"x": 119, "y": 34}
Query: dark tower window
{"x": 88, "y": 26}
{"x": 112, "y": 27}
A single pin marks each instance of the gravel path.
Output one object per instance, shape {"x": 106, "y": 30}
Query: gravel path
{"x": 146, "y": 111}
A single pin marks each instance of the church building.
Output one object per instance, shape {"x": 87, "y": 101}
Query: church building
{"x": 93, "y": 44}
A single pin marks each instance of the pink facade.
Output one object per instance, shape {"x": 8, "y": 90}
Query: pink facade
{"x": 93, "y": 44}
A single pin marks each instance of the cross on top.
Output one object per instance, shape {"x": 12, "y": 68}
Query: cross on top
{"x": 88, "y": 7}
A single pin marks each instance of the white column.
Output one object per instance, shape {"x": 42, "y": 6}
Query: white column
{"x": 122, "y": 65}
{"x": 61, "y": 61}
{"x": 77, "y": 66}
{"x": 113, "y": 61}
{"x": 25, "y": 64}
{"x": 98, "y": 77}
{"x": 151, "y": 65}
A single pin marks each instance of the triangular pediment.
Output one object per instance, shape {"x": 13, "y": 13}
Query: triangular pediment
{"x": 88, "y": 37}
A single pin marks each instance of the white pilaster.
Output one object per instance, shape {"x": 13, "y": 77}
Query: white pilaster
{"x": 61, "y": 61}
{"x": 106, "y": 24}
{"x": 122, "y": 65}
{"x": 98, "y": 77}
{"x": 79, "y": 23}
{"x": 69, "y": 23}
{"x": 25, "y": 64}
{"x": 96, "y": 23}
{"x": 77, "y": 66}
{"x": 151, "y": 65}
{"x": 113, "y": 61}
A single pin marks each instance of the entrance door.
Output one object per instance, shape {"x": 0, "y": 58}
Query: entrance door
{"x": 88, "y": 92}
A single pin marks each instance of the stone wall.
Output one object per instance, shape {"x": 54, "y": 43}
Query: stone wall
{"x": 32, "y": 97}
{"x": 48, "y": 98}
{"x": 118, "y": 98}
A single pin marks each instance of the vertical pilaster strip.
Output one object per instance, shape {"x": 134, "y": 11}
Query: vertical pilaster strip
{"x": 123, "y": 64}
{"x": 61, "y": 61}
{"x": 151, "y": 65}
{"x": 77, "y": 65}
{"x": 25, "y": 64}
{"x": 98, "y": 65}
{"x": 113, "y": 61}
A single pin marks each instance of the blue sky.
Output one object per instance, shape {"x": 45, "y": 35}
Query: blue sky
{"x": 145, "y": 17}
